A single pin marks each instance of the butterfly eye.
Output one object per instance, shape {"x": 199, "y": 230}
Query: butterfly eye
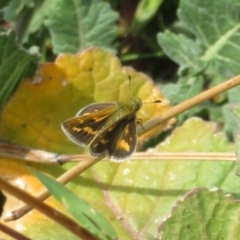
{"x": 138, "y": 106}
{"x": 136, "y": 102}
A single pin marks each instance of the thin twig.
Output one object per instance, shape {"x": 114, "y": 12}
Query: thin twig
{"x": 21, "y": 210}
{"x": 164, "y": 156}
{"x": 28, "y": 154}
{"x": 182, "y": 107}
{"x": 52, "y": 213}
{"x": 35, "y": 155}
{"x": 13, "y": 233}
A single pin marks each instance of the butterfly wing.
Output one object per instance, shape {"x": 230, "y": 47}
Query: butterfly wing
{"x": 83, "y": 128}
{"x": 95, "y": 107}
{"x": 119, "y": 141}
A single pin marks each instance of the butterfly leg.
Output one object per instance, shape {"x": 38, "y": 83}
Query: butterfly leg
{"x": 139, "y": 122}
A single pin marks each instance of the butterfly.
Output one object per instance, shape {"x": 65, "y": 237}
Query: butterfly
{"x": 108, "y": 129}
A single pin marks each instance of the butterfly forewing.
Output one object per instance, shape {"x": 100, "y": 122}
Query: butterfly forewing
{"x": 94, "y": 107}
{"x": 85, "y": 127}
{"x": 119, "y": 142}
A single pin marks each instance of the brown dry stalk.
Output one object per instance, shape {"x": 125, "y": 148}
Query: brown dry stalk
{"x": 21, "y": 210}
{"x": 82, "y": 166}
{"x": 40, "y": 156}
{"x": 184, "y": 106}
{"x": 52, "y": 213}
{"x": 163, "y": 156}
{"x": 12, "y": 233}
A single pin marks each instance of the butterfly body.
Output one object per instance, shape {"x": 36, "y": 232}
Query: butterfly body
{"x": 107, "y": 128}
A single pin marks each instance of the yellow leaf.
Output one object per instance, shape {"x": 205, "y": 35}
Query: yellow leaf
{"x": 32, "y": 117}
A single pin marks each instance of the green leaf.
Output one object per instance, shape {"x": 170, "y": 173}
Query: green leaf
{"x": 144, "y": 13}
{"x": 180, "y": 49}
{"x": 203, "y": 214}
{"x": 230, "y": 122}
{"x": 76, "y": 25}
{"x": 85, "y": 214}
{"x": 39, "y": 15}
{"x": 218, "y": 38}
{"x": 212, "y": 39}
{"x": 14, "y": 9}
{"x": 236, "y": 111}
{"x": 179, "y": 92}
{"x": 16, "y": 64}
{"x": 171, "y": 91}
{"x": 214, "y": 42}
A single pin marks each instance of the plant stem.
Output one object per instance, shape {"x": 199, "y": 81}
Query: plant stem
{"x": 52, "y": 213}
{"x": 21, "y": 210}
{"x": 184, "y": 106}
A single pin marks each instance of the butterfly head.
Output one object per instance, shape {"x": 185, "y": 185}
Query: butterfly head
{"x": 136, "y": 102}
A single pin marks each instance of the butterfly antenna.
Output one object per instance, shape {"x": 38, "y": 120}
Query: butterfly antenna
{"x": 130, "y": 90}
{"x": 156, "y": 101}
{"x": 130, "y": 84}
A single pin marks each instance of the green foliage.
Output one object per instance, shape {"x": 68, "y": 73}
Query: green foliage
{"x": 16, "y": 64}
{"x": 144, "y": 12}
{"x": 214, "y": 27}
{"x": 73, "y": 25}
{"x": 235, "y": 109}
{"x": 211, "y": 214}
{"x": 14, "y": 8}
{"x": 77, "y": 25}
{"x": 205, "y": 47}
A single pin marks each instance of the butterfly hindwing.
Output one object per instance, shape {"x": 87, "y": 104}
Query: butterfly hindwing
{"x": 119, "y": 141}
{"x": 126, "y": 144}
{"x": 83, "y": 128}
